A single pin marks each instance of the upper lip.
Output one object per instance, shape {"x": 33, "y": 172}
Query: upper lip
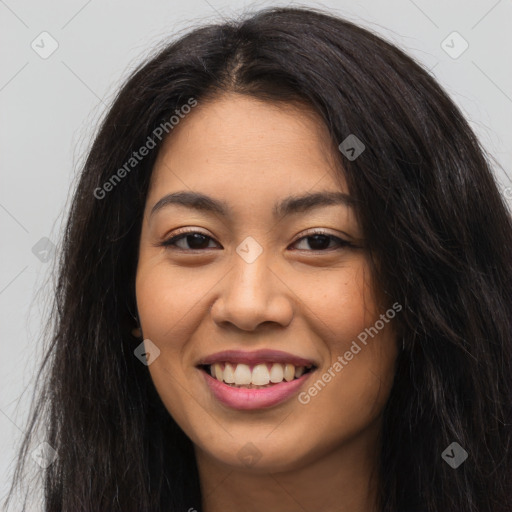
{"x": 255, "y": 357}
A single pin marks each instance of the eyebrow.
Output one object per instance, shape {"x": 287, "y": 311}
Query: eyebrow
{"x": 288, "y": 206}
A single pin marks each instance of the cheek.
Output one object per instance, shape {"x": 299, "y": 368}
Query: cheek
{"x": 169, "y": 300}
{"x": 352, "y": 392}
{"x": 170, "y": 307}
{"x": 354, "y": 385}
{"x": 341, "y": 304}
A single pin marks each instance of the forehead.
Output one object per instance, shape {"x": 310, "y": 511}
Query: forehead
{"x": 237, "y": 139}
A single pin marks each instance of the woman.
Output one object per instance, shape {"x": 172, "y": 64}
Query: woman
{"x": 285, "y": 285}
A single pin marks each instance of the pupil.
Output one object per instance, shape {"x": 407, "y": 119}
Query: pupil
{"x": 318, "y": 242}
{"x": 196, "y": 241}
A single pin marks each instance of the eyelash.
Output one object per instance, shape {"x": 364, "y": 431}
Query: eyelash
{"x": 171, "y": 242}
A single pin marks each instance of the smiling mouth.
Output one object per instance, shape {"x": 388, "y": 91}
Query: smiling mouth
{"x": 255, "y": 376}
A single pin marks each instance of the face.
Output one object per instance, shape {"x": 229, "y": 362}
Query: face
{"x": 269, "y": 265}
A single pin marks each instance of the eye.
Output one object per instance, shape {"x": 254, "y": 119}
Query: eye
{"x": 321, "y": 241}
{"x": 194, "y": 239}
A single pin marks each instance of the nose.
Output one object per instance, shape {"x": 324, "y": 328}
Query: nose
{"x": 252, "y": 294}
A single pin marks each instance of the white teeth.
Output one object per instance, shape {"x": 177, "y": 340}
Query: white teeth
{"x": 241, "y": 375}
{"x": 229, "y": 374}
{"x": 260, "y": 375}
{"x": 276, "y": 373}
{"x": 289, "y": 372}
{"x": 218, "y": 371}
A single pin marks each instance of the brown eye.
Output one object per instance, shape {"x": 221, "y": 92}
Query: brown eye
{"x": 190, "y": 241}
{"x": 321, "y": 242}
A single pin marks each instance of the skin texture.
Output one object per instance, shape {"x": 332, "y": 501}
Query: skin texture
{"x": 313, "y": 303}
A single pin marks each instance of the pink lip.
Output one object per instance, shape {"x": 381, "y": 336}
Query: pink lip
{"x": 246, "y": 399}
{"x": 255, "y": 357}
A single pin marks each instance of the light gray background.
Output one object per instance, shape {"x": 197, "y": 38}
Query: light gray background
{"x": 50, "y": 107}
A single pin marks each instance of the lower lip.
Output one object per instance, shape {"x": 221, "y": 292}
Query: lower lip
{"x": 246, "y": 399}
